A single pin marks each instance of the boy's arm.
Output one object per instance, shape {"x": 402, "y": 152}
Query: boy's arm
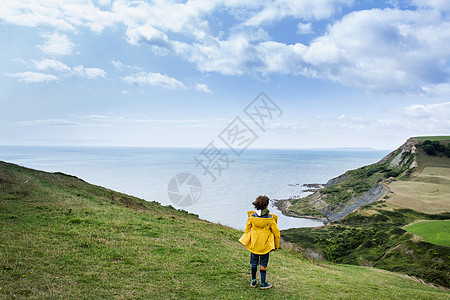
{"x": 276, "y": 234}
{"x": 248, "y": 226}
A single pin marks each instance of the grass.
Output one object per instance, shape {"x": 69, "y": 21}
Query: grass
{"x": 64, "y": 238}
{"x": 433, "y": 161}
{"x": 428, "y": 192}
{"x": 373, "y": 236}
{"x": 435, "y": 232}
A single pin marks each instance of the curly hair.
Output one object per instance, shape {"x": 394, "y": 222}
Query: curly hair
{"x": 261, "y": 202}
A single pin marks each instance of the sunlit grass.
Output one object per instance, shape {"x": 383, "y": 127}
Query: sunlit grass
{"x": 435, "y": 232}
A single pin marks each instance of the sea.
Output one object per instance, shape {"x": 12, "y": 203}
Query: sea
{"x": 225, "y": 184}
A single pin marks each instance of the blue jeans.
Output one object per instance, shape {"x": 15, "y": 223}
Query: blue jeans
{"x": 256, "y": 259}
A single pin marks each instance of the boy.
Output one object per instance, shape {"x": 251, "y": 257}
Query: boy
{"x": 261, "y": 235}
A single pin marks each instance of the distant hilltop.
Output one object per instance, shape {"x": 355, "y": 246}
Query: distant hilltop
{"x": 343, "y": 194}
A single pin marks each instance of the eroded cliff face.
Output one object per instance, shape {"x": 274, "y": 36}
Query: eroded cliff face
{"x": 372, "y": 195}
{"x": 404, "y": 157}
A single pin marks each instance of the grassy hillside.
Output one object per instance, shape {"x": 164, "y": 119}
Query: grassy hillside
{"x": 428, "y": 192}
{"x": 373, "y": 236}
{"x": 64, "y": 238}
{"x": 435, "y": 232}
{"x": 418, "y": 177}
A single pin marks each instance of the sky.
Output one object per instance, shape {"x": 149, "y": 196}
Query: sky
{"x": 344, "y": 73}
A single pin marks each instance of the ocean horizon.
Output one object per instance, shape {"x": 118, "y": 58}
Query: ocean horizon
{"x": 145, "y": 172}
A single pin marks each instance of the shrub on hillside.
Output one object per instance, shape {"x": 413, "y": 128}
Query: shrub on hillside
{"x": 391, "y": 174}
{"x": 429, "y": 149}
{"x": 435, "y": 147}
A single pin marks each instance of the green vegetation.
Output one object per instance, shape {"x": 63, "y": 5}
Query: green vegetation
{"x": 436, "y": 147}
{"x": 302, "y": 206}
{"x": 374, "y": 237}
{"x": 401, "y": 165}
{"x": 64, "y": 238}
{"x": 435, "y": 232}
{"x": 353, "y": 184}
{"x": 433, "y": 138}
{"x": 356, "y": 183}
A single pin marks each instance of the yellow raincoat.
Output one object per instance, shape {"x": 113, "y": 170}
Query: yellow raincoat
{"x": 261, "y": 235}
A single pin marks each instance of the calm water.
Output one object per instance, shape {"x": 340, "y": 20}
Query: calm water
{"x": 146, "y": 172}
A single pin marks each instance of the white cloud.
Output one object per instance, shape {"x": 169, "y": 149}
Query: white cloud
{"x": 121, "y": 66}
{"x": 29, "y": 77}
{"x": 203, "y": 88}
{"x": 157, "y": 40}
{"x": 437, "y": 89}
{"x": 280, "y": 58}
{"x": 49, "y": 122}
{"x": 429, "y": 111}
{"x": 388, "y": 51}
{"x": 148, "y": 34}
{"x": 384, "y": 50}
{"x": 441, "y": 5}
{"x": 304, "y": 28}
{"x": 234, "y": 56}
{"x": 160, "y": 123}
{"x": 117, "y": 64}
{"x": 56, "y": 44}
{"x": 61, "y": 15}
{"x": 51, "y": 64}
{"x": 90, "y": 73}
{"x": 155, "y": 79}
{"x": 301, "y": 9}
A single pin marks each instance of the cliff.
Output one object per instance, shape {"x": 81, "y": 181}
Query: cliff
{"x": 343, "y": 194}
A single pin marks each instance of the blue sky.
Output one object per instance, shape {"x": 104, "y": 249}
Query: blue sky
{"x": 176, "y": 73}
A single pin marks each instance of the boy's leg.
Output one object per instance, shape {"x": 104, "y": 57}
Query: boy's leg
{"x": 254, "y": 270}
{"x": 263, "y": 271}
{"x": 254, "y": 260}
{"x": 264, "y": 261}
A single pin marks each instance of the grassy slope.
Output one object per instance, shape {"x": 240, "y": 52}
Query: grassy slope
{"x": 63, "y": 238}
{"x": 436, "y": 232}
{"x": 427, "y": 192}
{"x": 373, "y": 236}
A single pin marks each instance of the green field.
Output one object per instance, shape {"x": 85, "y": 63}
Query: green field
{"x": 435, "y": 232}
{"x": 64, "y": 238}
